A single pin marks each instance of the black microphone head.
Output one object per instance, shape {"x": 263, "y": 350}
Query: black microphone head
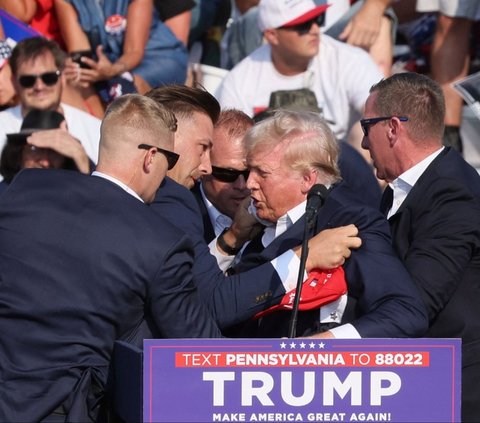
{"x": 315, "y": 199}
{"x": 318, "y": 190}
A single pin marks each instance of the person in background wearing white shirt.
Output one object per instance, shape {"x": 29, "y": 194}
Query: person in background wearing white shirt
{"x": 297, "y": 56}
{"x": 37, "y": 65}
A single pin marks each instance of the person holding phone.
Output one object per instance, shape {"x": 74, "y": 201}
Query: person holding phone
{"x": 126, "y": 40}
{"x": 37, "y": 66}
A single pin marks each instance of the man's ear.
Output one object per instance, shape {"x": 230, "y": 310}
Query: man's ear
{"x": 271, "y": 36}
{"x": 394, "y": 129}
{"x": 309, "y": 179}
{"x": 148, "y": 160}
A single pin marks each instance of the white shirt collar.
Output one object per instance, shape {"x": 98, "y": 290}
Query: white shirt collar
{"x": 219, "y": 221}
{"x": 405, "y": 182}
{"x": 283, "y": 223}
{"x": 119, "y": 183}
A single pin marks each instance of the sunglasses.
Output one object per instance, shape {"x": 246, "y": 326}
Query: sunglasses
{"x": 366, "y": 123}
{"x": 172, "y": 158}
{"x": 305, "y": 27}
{"x": 48, "y": 78}
{"x": 228, "y": 175}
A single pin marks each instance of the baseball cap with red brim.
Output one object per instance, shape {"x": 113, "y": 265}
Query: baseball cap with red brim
{"x": 288, "y": 13}
{"x": 320, "y": 288}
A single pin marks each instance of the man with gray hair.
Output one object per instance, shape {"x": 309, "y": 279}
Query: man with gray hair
{"x": 287, "y": 155}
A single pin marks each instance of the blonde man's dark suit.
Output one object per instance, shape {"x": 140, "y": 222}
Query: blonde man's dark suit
{"x": 82, "y": 264}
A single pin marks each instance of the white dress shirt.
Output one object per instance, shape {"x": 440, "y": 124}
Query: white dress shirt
{"x": 405, "y": 182}
{"x": 119, "y": 183}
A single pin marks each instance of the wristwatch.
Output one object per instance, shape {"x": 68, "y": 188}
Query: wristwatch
{"x": 231, "y": 251}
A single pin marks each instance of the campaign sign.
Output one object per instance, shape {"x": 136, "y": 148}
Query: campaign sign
{"x": 302, "y": 380}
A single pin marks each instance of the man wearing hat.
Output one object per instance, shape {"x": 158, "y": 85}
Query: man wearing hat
{"x": 297, "y": 57}
{"x": 44, "y": 150}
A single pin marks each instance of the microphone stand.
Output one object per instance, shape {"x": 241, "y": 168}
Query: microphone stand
{"x": 292, "y": 330}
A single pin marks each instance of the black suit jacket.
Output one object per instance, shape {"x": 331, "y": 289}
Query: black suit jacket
{"x": 436, "y": 232}
{"x": 382, "y": 298}
{"x": 82, "y": 263}
{"x": 208, "y": 229}
{"x": 358, "y": 174}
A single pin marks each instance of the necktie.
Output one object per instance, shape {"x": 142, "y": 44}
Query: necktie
{"x": 387, "y": 200}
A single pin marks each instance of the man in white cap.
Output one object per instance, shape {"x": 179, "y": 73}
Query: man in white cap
{"x": 297, "y": 57}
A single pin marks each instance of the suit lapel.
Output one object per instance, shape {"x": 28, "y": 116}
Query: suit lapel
{"x": 208, "y": 230}
{"x": 417, "y": 190}
{"x": 387, "y": 200}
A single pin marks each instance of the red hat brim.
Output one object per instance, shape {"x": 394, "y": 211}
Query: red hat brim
{"x": 320, "y": 288}
{"x": 307, "y": 16}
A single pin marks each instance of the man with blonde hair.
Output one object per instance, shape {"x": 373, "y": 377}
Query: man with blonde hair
{"x": 84, "y": 262}
{"x": 287, "y": 155}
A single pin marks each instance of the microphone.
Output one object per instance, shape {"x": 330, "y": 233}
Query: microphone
{"x": 315, "y": 199}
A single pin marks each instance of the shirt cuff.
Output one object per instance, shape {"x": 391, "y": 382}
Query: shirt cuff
{"x": 223, "y": 261}
{"x": 287, "y": 266}
{"x": 346, "y": 331}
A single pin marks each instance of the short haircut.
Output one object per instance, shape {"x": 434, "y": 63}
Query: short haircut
{"x": 415, "y": 96}
{"x": 32, "y": 48}
{"x": 183, "y": 101}
{"x": 137, "y": 112}
{"x": 235, "y": 122}
{"x": 311, "y": 142}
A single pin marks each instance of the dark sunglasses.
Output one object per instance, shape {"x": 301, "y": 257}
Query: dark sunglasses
{"x": 228, "y": 175}
{"x": 48, "y": 78}
{"x": 172, "y": 158}
{"x": 366, "y": 123}
{"x": 305, "y": 27}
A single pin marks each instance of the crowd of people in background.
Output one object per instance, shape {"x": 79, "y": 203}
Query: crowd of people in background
{"x": 135, "y": 203}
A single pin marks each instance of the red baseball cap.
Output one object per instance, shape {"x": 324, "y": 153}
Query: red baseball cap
{"x": 285, "y": 13}
{"x": 320, "y": 288}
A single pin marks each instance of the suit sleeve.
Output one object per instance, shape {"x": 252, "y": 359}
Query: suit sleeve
{"x": 231, "y": 299}
{"x": 174, "y": 302}
{"x": 387, "y": 302}
{"x": 445, "y": 236}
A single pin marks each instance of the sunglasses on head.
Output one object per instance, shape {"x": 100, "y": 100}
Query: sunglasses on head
{"x": 305, "y": 27}
{"x": 228, "y": 175}
{"x": 172, "y": 158}
{"x": 366, "y": 123}
{"x": 48, "y": 78}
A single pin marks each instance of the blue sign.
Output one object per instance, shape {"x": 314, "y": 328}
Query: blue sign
{"x": 15, "y": 28}
{"x": 302, "y": 380}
